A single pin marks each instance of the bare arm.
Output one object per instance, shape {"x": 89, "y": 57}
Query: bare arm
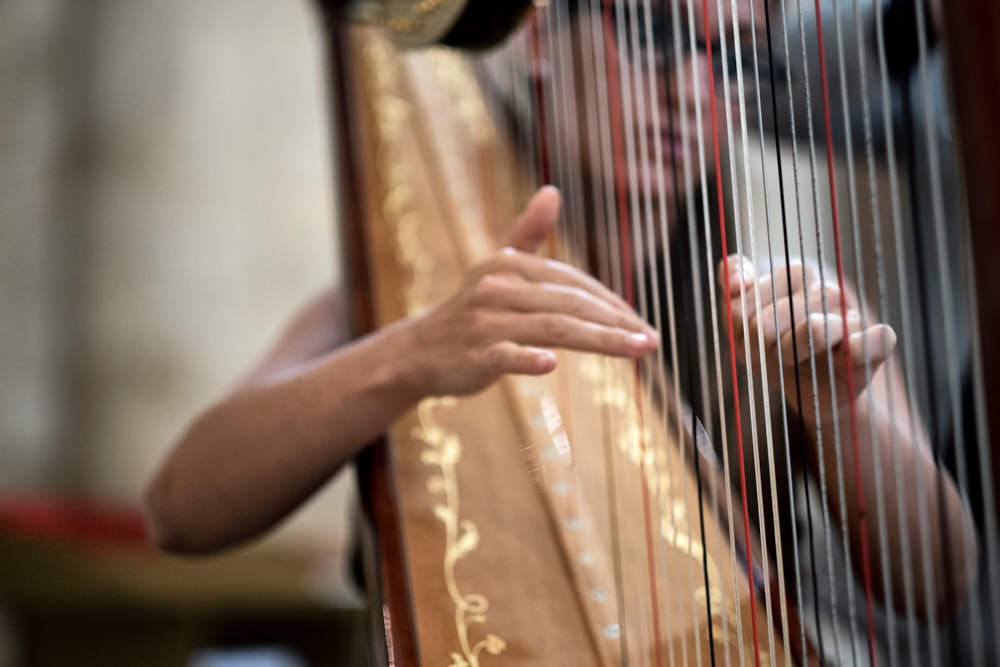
{"x": 312, "y": 403}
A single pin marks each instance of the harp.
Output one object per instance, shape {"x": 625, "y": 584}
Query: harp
{"x": 689, "y": 508}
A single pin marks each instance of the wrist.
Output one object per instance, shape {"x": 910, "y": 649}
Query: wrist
{"x": 400, "y": 367}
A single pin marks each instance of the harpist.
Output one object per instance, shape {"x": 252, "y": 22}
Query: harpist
{"x": 693, "y": 80}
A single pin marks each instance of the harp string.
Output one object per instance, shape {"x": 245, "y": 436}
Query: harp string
{"x": 601, "y": 79}
{"x": 907, "y": 344}
{"x": 848, "y": 367}
{"x": 794, "y": 334}
{"x": 696, "y": 273}
{"x": 882, "y": 292}
{"x": 765, "y": 390}
{"x": 766, "y": 414}
{"x": 651, "y": 245}
{"x": 618, "y": 98}
{"x": 738, "y": 228}
{"x": 644, "y": 227}
{"x": 951, "y": 343}
{"x": 575, "y": 220}
{"x": 603, "y": 74}
{"x": 775, "y": 303}
{"x": 824, "y": 505}
{"x": 729, "y": 326}
{"x": 564, "y": 83}
{"x": 555, "y": 118}
{"x": 594, "y": 148}
{"x": 653, "y": 65}
{"x": 810, "y": 343}
{"x": 596, "y": 154}
{"x": 982, "y": 428}
{"x": 637, "y": 69}
{"x": 845, "y": 343}
{"x": 931, "y": 389}
{"x": 632, "y": 105}
{"x": 882, "y": 316}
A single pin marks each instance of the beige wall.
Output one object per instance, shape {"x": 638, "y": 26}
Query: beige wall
{"x": 164, "y": 204}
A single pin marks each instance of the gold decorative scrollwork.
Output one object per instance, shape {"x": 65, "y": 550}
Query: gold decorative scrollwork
{"x": 443, "y": 448}
{"x": 443, "y": 452}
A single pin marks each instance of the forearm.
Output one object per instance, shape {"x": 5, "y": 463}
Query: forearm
{"x": 302, "y": 413}
{"x": 929, "y": 503}
{"x": 280, "y": 440}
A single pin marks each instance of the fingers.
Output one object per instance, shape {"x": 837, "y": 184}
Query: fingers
{"x": 539, "y": 270}
{"x": 529, "y": 301}
{"x": 873, "y": 345}
{"x": 800, "y": 276}
{"x": 742, "y": 276}
{"x": 812, "y": 336}
{"x": 777, "y": 318}
{"x": 735, "y": 274}
{"x": 877, "y": 341}
{"x": 508, "y": 293}
{"x": 571, "y": 333}
{"x": 538, "y": 220}
{"x": 507, "y": 357}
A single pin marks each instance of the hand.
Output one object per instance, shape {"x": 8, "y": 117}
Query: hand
{"x": 513, "y": 306}
{"x": 877, "y": 340}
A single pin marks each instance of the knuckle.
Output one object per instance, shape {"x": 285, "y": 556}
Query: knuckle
{"x": 579, "y": 301}
{"x": 493, "y": 264}
{"x": 555, "y": 327}
{"x": 505, "y": 259}
{"x": 495, "y": 357}
{"x": 488, "y": 287}
{"x": 478, "y": 327}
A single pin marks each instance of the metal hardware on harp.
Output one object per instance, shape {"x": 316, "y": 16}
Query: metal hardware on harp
{"x": 801, "y": 473}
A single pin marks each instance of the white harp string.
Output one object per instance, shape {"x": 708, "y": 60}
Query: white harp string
{"x": 696, "y": 271}
{"x": 636, "y": 150}
{"x": 651, "y": 247}
{"x": 882, "y": 311}
{"x": 651, "y": 68}
{"x": 950, "y": 337}
{"x": 765, "y": 389}
{"x": 824, "y": 496}
{"x": 649, "y": 227}
{"x": 774, "y": 299}
{"x": 809, "y": 342}
{"x": 992, "y": 546}
{"x": 749, "y": 371}
{"x": 907, "y": 365}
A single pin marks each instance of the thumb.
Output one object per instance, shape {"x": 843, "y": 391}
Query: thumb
{"x": 538, "y": 220}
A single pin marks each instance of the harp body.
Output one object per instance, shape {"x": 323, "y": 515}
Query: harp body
{"x": 493, "y": 537}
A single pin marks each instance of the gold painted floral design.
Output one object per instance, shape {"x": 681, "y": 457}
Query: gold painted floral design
{"x": 443, "y": 448}
{"x": 443, "y": 451}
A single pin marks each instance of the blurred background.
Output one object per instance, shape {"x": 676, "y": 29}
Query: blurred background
{"x": 165, "y": 203}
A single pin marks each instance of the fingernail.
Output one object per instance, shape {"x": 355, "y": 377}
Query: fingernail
{"x": 545, "y": 359}
{"x": 737, "y": 281}
{"x": 639, "y": 340}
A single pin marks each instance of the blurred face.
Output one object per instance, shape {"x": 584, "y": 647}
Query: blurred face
{"x": 654, "y": 55}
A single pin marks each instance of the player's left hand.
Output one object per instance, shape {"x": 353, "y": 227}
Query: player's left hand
{"x": 810, "y": 309}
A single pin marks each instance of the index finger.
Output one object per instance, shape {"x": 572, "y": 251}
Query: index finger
{"x": 538, "y": 269}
